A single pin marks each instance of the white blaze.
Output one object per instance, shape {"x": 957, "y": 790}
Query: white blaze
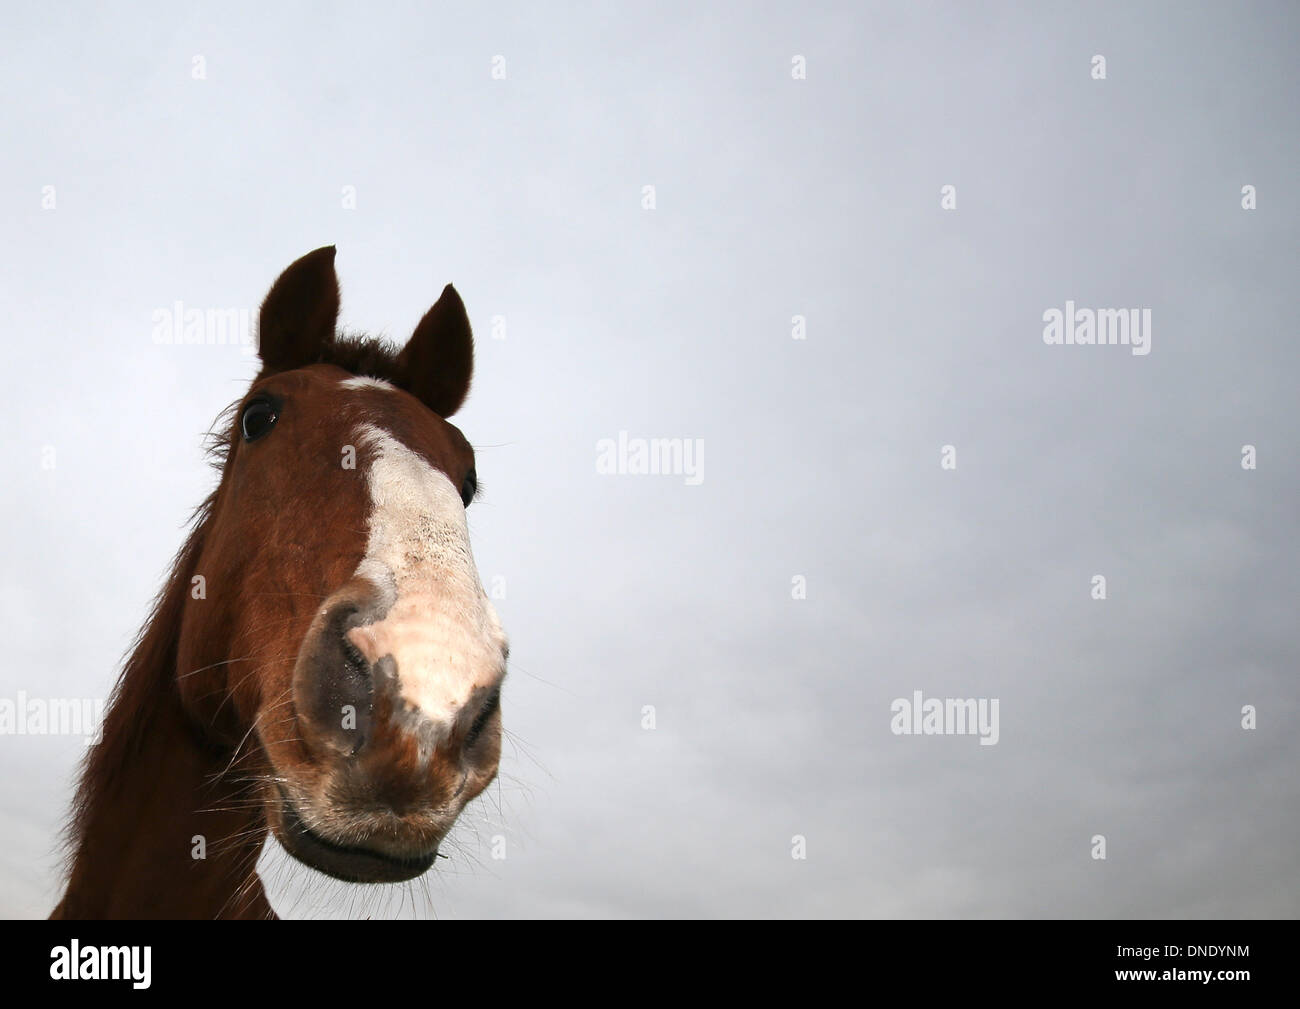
{"x": 366, "y": 382}
{"x": 440, "y": 628}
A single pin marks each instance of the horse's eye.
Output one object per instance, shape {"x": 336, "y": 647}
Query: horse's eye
{"x": 258, "y": 417}
{"x": 468, "y": 488}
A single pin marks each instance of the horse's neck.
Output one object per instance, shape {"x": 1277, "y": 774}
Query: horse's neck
{"x": 141, "y": 834}
{"x": 160, "y": 830}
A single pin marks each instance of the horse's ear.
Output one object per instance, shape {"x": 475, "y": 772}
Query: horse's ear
{"x": 438, "y": 361}
{"x": 299, "y": 313}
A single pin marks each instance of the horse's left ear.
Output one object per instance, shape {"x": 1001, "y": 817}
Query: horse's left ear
{"x": 438, "y": 361}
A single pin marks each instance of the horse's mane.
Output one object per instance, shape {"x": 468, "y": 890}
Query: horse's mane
{"x": 143, "y": 686}
{"x": 363, "y": 355}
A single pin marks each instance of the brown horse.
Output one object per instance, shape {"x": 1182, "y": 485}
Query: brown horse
{"x": 323, "y": 661}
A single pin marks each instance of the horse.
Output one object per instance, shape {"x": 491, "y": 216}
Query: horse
{"x": 322, "y": 662}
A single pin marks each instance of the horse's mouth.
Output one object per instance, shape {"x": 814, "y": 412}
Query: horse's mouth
{"x": 350, "y": 864}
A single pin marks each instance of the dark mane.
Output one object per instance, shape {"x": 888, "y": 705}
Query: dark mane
{"x": 365, "y": 356}
{"x": 144, "y": 687}
{"x": 362, "y": 355}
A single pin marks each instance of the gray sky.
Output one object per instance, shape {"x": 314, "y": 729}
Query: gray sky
{"x": 775, "y": 198}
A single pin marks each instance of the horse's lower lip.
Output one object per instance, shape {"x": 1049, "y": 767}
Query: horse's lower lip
{"x": 351, "y": 864}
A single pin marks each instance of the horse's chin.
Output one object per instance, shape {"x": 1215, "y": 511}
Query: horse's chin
{"x": 352, "y": 864}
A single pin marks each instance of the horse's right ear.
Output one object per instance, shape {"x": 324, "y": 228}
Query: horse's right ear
{"x": 300, "y": 312}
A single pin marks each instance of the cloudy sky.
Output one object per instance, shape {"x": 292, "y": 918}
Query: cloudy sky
{"x": 917, "y": 495}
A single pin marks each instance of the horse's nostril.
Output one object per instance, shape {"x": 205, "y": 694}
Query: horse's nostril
{"x": 352, "y": 655}
{"x": 342, "y": 617}
{"x": 333, "y": 681}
